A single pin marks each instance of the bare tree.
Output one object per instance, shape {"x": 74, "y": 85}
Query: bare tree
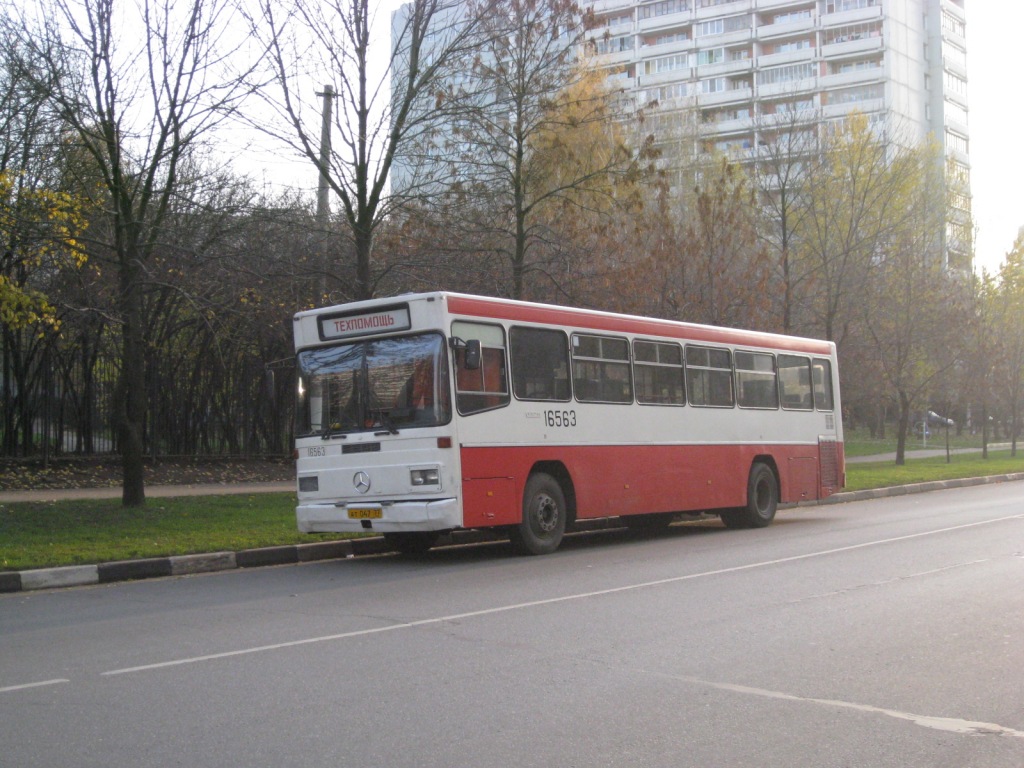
{"x": 145, "y": 84}
{"x": 853, "y": 209}
{"x": 538, "y": 139}
{"x": 314, "y": 41}
{"x": 787, "y": 142}
{"x": 915, "y": 313}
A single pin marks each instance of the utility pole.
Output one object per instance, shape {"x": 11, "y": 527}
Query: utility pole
{"x": 323, "y": 208}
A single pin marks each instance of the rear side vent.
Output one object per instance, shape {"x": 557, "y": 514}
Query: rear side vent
{"x": 361, "y": 448}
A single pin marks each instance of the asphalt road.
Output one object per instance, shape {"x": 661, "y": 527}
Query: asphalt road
{"x": 878, "y": 633}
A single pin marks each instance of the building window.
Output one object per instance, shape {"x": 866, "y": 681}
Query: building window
{"x": 956, "y": 142}
{"x": 955, "y": 112}
{"x": 714, "y": 56}
{"x": 953, "y": 55}
{"x": 838, "y": 6}
{"x": 852, "y": 32}
{"x": 953, "y": 25}
{"x": 785, "y": 74}
{"x": 792, "y": 16}
{"x": 791, "y": 45}
{"x": 955, "y": 84}
{"x": 853, "y": 95}
{"x": 667, "y": 64}
{"x": 663, "y": 9}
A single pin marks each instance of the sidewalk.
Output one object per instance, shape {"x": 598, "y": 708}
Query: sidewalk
{"x": 152, "y": 491}
{"x": 184, "y": 565}
{"x": 918, "y": 452}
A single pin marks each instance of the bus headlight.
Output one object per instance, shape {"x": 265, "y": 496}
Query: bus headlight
{"x": 424, "y": 477}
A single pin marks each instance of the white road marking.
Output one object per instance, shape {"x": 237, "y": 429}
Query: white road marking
{"x": 33, "y": 685}
{"x": 950, "y": 724}
{"x": 547, "y": 601}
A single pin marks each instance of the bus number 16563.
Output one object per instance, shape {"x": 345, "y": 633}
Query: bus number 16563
{"x": 560, "y": 418}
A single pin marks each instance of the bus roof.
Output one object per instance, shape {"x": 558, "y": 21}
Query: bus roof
{"x": 590, "y": 319}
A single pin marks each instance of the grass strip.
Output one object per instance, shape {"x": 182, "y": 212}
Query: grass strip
{"x": 886, "y": 474}
{"x": 49, "y": 534}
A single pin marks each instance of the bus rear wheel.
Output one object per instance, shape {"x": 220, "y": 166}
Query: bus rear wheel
{"x": 762, "y": 500}
{"x": 411, "y": 543}
{"x": 544, "y": 513}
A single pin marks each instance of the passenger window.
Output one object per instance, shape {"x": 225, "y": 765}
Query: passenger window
{"x": 600, "y": 369}
{"x": 709, "y": 377}
{"x": 756, "y": 386}
{"x": 822, "y": 371}
{"x": 658, "y": 369}
{"x": 795, "y": 383}
{"x": 485, "y": 387}
{"x": 540, "y": 364}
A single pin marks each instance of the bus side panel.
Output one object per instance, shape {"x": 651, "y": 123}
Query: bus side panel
{"x": 629, "y": 479}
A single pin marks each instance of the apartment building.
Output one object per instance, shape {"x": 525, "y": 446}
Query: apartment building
{"x": 723, "y": 73}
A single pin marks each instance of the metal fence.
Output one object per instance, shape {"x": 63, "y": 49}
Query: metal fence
{"x": 58, "y": 399}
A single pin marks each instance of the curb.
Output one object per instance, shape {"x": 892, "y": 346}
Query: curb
{"x": 209, "y": 562}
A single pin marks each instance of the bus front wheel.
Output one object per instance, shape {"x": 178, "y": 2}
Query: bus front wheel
{"x": 544, "y": 513}
{"x": 762, "y": 500}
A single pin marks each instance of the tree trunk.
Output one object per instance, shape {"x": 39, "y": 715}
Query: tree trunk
{"x": 901, "y": 437}
{"x": 131, "y": 407}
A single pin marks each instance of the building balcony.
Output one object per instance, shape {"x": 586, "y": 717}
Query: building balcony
{"x": 666, "y": 49}
{"x": 726, "y": 38}
{"x": 865, "y": 107}
{"x": 852, "y": 47}
{"x": 773, "y": 5}
{"x": 788, "y": 88}
{"x": 664, "y": 78}
{"x": 617, "y": 59}
{"x": 605, "y": 7}
{"x": 664, "y": 23}
{"x": 723, "y": 68}
{"x": 857, "y": 77}
{"x": 955, "y": 67}
{"x": 844, "y": 18}
{"x": 956, "y": 126}
{"x": 725, "y": 97}
{"x": 789, "y": 57}
{"x": 726, "y": 9}
{"x": 785, "y": 29}
{"x": 727, "y": 127}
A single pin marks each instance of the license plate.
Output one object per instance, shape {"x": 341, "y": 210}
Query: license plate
{"x": 365, "y": 513}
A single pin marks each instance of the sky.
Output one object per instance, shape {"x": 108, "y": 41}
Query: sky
{"x": 995, "y": 66}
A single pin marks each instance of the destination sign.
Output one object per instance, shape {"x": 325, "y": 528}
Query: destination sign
{"x": 381, "y": 321}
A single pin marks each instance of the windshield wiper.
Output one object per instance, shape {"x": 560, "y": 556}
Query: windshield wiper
{"x": 330, "y": 432}
{"x": 385, "y": 419}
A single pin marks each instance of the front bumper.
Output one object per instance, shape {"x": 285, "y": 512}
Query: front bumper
{"x": 396, "y": 517}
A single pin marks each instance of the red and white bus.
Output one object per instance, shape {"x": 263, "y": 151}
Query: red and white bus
{"x": 427, "y": 413}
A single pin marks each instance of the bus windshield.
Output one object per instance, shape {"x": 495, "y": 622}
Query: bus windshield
{"x": 378, "y": 384}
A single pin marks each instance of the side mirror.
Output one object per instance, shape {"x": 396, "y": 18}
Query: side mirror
{"x": 471, "y": 361}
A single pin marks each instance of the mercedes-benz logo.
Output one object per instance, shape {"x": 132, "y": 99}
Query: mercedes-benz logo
{"x": 361, "y": 481}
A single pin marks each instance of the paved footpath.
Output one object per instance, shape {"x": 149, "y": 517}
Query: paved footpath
{"x": 152, "y": 491}
{"x": 184, "y": 565}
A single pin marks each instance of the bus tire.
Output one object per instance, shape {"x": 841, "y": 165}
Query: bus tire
{"x": 762, "y": 500}
{"x": 411, "y": 543}
{"x": 544, "y": 515}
